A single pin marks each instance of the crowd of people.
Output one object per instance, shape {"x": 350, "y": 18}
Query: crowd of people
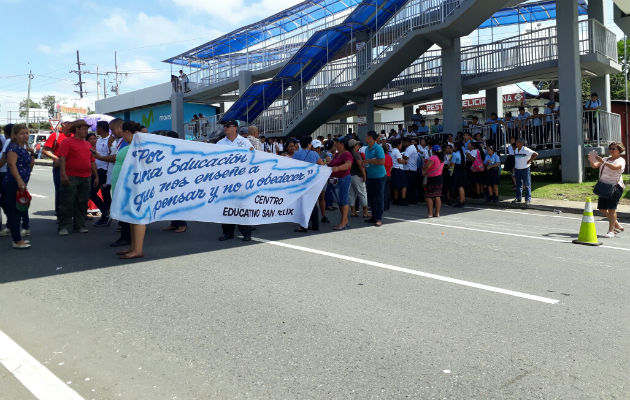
{"x": 401, "y": 168}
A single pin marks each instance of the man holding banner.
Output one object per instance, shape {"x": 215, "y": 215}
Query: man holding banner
{"x": 232, "y": 138}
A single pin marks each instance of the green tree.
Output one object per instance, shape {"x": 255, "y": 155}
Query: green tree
{"x": 618, "y": 81}
{"x": 48, "y": 102}
{"x": 23, "y": 107}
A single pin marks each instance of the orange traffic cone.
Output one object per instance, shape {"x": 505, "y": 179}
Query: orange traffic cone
{"x": 588, "y": 232}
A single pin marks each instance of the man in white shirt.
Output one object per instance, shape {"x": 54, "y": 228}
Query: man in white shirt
{"x": 252, "y": 136}
{"x": 233, "y": 139}
{"x": 102, "y": 148}
{"x": 411, "y": 170}
{"x": 523, "y": 157}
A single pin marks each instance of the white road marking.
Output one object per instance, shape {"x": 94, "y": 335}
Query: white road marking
{"x": 550, "y": 215}
{"x": 412, "y": 272}
{"x": 496, "y": 232}
{"x": 41, "y": 196}
{"x": 34, "y": 376}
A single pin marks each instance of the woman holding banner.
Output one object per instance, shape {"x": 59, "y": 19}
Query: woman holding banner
{"x": 136, "y": 232}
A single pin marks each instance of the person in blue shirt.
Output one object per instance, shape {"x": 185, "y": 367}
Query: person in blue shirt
{"x": 536, "y": 127}
{"x": 551, "y": 115}
{"x": 374, "y": 164}
{"x": 423, "y": 129}
{"x": 437, "y": 127}
{"x": 591, "y": 113}
{"x": 307, "y": 154}
{"x": 495, "y": 128}
{"x": 508, "y": 122}
{"x": 493, "y": 168}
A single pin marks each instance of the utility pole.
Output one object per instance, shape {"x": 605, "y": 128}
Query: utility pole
{"x": 78, "y": 71}
{"x": 104, "y": 88}
{"x": 116, "y": 67}
{"x": 28, "y": 97}
{"x": 98, "y": 83}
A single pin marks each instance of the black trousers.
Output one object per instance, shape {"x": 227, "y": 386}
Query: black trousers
{"x": 228, "y": 229}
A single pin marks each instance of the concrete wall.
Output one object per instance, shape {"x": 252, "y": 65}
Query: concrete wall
{"x": 138, "y": 98}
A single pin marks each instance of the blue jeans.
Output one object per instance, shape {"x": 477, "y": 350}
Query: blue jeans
{"x": 376, "y": 196}
{"x": 14, "y": 216}
{"x": 523, "y": 176}
{"x": 341, "y": 190}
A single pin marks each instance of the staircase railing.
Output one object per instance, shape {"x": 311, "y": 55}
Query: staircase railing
{"x": 415, "y": 14}
{"x": 258, "y": 58}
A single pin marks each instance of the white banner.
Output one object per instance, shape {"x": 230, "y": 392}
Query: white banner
{"x": 172, "y": 179}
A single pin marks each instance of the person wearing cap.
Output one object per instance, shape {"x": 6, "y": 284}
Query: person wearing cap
{"x": 523, "y": 157}
{"x": 374, "y": 164}
{"x": 357, "y": 181}
{"x": 233, "y": 139}
{"x": 432, "y": 169}
{"x": 51, "y": 150}
{"x": 76, "y": 166}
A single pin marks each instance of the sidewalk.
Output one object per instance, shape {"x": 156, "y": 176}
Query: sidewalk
{"x": 558, "y": 206}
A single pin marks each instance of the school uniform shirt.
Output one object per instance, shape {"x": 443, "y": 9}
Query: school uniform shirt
{"x": 437, "y": 128}
{"x": 491, "y": 159}
{"x": 521, "y": 157}
{"x": 548, "y": 112}
{"x": 423, "y": 130}
{"x": 536, "y": 121}
{"x": 425, "y": 152}
{"x": 509, "y": 122}
{"x": 239, "y": 141}
{"x": 475, "y": 128}
{"x": 456, "y": 159}
{"x": 102, "y": 148}
{"x": 395, "y": 157}
{"x": 593, "y": 104}
{"x": 494, "y": 127}
{"x": 412, "y": 158}
{"x": 522, "y": 117}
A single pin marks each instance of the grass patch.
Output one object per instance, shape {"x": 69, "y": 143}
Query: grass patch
{"x": 545, "y": 186}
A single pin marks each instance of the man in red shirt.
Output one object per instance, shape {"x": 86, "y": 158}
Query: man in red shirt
{"x": 51, "y": 149}
{"x": 76, "y": 166}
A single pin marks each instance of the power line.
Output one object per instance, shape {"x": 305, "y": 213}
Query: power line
{"x": 78, "y": 72}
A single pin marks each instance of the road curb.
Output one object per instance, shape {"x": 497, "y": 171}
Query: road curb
{"x": 43, "y": 163}
{"x": 505, "y": 204}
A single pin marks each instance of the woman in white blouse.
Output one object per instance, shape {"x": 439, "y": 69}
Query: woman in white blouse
{"x": 611, "y": 170}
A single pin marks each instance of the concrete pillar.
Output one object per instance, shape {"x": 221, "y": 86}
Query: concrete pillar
{"x": 244, "y": 81}
{"x": 600, "y": 84}
{"x": 177, "y": 114}
{"x": 571, "y": 137}
{"x": 452, "y": 86}
{"x": 222, "y": 107}
{"x": 494, "y": 101}
{"x": 365, "y": 109}
{"x": 408, "y": 112}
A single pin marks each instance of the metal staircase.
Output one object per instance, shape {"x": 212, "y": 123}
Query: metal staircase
{"x": 412, "y": 31}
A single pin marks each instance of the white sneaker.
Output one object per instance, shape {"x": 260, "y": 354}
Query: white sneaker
{"x": 63, "y": 232}
{"x": 25, "y": 232}
{"x": 610, "y": 235}
{"x": 83, "y": 230}
{"x": 20, "y": 246}
{"x": 5, "y": 232}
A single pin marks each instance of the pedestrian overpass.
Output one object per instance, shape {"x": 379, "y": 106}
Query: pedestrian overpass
{"x": 379, "y": 53}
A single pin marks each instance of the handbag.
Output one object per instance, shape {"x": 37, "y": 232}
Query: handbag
{"x": 604, "y": 190}
{"x": 22, "y": 200}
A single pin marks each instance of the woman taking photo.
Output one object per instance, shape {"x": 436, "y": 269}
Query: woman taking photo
{"x": 340, "y": 179}
{"x": 610, "y": 173}
{"x": 19, "y": 166}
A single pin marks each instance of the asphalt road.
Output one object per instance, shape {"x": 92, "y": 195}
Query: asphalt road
{"x": 478, "y": 304}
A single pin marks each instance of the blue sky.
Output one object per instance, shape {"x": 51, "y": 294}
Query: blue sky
{"x": 44, "y": 36}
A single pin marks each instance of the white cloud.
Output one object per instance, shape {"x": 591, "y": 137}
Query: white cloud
{"x": 44, "y": 49}
{"x": 236, "y": 11}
